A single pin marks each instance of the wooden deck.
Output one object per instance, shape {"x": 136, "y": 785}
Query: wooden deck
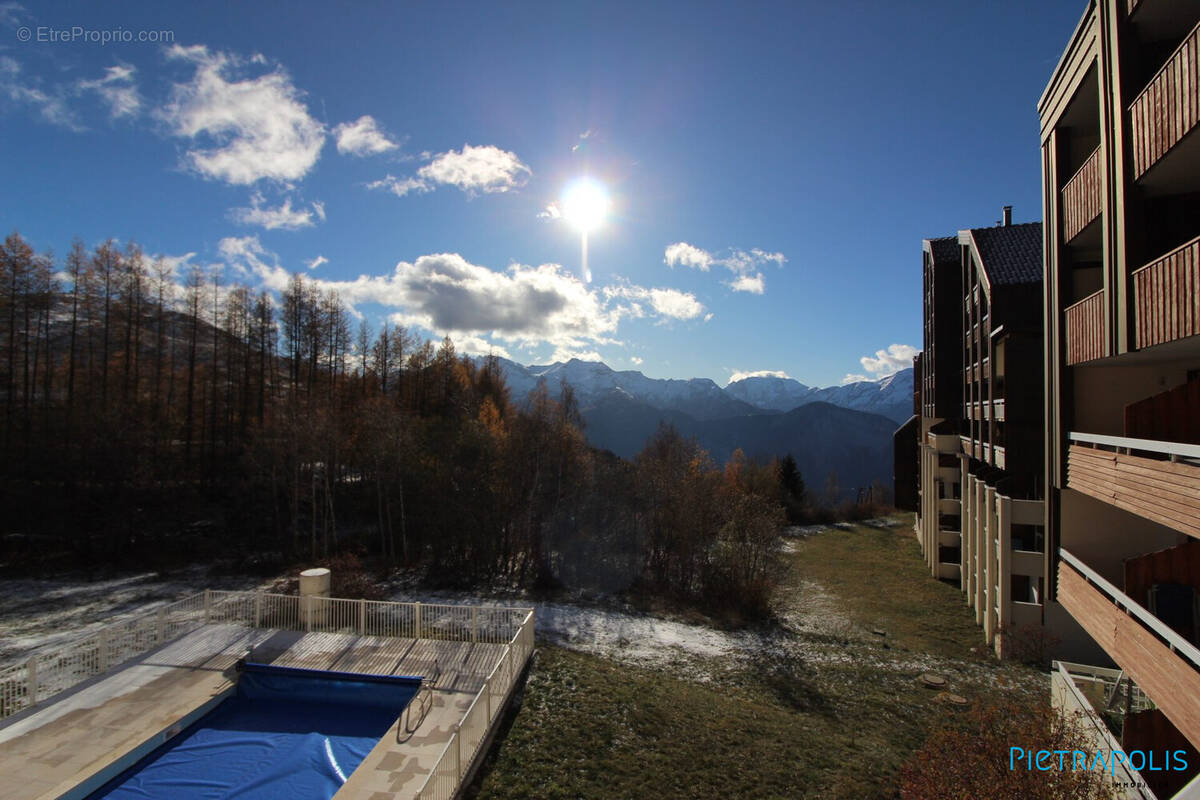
{"x": 1172, "y": 683}
{"x": 53, "y": 748}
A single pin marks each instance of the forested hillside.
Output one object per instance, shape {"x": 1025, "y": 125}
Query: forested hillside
{"x": 150, "y": 418}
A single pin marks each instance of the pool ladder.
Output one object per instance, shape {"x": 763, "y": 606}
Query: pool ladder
{"x": 423, "y": 701}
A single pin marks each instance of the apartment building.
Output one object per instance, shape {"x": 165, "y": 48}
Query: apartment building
{"x": 1121, "y": 204}
{"x": 978, "y": 425}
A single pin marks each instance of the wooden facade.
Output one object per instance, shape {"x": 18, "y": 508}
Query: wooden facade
{"x": 1170, "y": 416}
{"x": 1168, "y": 108}
{"x": 1171, "y": 682}
{"x": 1081, "y": 197}
{"x": 1167, "y": 296}
{"x": 1086, "y": 336}
{"x": 1165, "y": 492}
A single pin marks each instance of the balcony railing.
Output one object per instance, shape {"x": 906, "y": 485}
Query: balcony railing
{"x": 1081, "y": 198}
{"x": 1158, "y": 659}
{"x": 1167, "y": 296}
{"x": 1168, "y": 108}
{"x": 1163, "y": 491}
{"x": 1085, "y": 329}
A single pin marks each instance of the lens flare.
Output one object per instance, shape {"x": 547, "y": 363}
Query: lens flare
{"x": 585, "y": 204}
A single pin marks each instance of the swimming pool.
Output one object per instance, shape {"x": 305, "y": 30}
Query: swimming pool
{"x": 285, "y": 733}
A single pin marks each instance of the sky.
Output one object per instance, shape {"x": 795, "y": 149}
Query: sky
{"x": 768, "y": 171}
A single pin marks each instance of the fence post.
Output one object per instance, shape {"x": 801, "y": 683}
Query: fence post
{"x": 362, "y": 617}
{"x": 207, "y": 606}
{"x": 458, "y": 751}
{"x": 308, "y": 598}
{"x": 31, "y": 679}
{"x": 103, "y": 659}
{"x": 161, "y": 629}
{"x": 258, "y": 609}
{"x": 487, "y": 699}
{"x": 416, "y": 620}
{"x": 474, "y": 623}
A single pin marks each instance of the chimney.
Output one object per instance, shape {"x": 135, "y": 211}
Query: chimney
{"x": 1007, "y": 216}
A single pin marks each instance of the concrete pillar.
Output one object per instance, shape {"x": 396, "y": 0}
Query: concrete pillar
{"x": 1004, "y": 571}
{"x": 981, "y": 551}
{"x": 993, "y": 530}
{"x": 314, "y": 585}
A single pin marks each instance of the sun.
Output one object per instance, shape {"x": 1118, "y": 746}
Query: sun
{"x": 585, "y": 204}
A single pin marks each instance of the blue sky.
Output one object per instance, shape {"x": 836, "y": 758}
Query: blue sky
{"x": 771, "y": 168}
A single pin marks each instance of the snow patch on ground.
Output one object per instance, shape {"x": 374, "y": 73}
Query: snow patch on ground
{"x": 46, "y": 613}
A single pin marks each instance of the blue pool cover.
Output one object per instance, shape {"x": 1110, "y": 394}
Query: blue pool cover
{"x": 291, "y": 734}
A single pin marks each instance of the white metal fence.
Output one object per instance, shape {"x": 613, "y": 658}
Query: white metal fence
{"x": 456, "y": 759}
{"x": 49, "y": 672}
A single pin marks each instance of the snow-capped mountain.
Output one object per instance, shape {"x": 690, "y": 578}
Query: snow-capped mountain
{"x": 890, "y": 397}
{"x": 702, "y": 399}
{"x": 768, "y": 392}
{"x": 593, "y": 381}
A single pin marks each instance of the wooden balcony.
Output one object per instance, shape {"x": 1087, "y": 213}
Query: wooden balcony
{"x": 1085, "y": 329}
{"x": 1163, "y": 491}
{"x": 1162, "y": 663}
{"x": 1081, "y": 198}
{"x": 1167, "y": 296}
{"x": 1168, "y": 108}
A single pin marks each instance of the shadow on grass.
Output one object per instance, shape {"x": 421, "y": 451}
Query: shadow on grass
{"x": 788, "y": 681}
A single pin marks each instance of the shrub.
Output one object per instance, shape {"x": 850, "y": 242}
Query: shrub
{"x": 970, "y": 757}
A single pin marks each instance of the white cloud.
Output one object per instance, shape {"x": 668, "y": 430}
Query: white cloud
{"x": 687, "y": 255}
{"x": 485, "y": 168}
{"x": 670, "y": 303}
{"x": 520, "y": 307}
{"x": 744, "y": 264}
{"x": 284, "y": 217}
{"x": 11, "y": 14}
{"x": 852, "y": 377}
{"x": 888, "y": 362}
{"x": 400, "y": 186}
{"x": 741, "y": 375}
{"x": 475, "y": 169}
{"x": 52, "y": 107}
{"x": 551, "y": 212}
{"x": 635, "y": 360}
{"x": 362, "y": 137}
{"x": 117, "y": 88}
{"x": 478, "y": 346}
{"x": 318, "y": 261}
{"x": 747, "y": 283}
{"x": 255, "y": 128}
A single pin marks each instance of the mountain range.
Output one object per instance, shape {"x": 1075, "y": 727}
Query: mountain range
{"x": 845, "y": 429}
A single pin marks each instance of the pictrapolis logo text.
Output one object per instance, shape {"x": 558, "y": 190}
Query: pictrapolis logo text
{"x": 1105, "y": 760}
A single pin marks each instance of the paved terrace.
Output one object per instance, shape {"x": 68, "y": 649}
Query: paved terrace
{"x": 49, "y": 749}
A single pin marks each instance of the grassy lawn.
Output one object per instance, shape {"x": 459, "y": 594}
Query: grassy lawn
{"x": 825, "y": 709}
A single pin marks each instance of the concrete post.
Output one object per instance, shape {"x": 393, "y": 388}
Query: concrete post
{"x": 416, "y": 620}
{"x": 362, "y": 617}
{"x": 207, "y": 606}
{"x": 103, "y": 647}
{"x": 258, "y": 609}
{"x": 315, "y": 583}
{"x": 487, "y": 699}
{"x": 31, "y": 679}
{"x": 161, "y": 628}
{"x": 474, "y": 623}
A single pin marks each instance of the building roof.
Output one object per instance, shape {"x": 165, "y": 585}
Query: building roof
{"x": 944, "y": 249}
{"x": 1011, "y": 254}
